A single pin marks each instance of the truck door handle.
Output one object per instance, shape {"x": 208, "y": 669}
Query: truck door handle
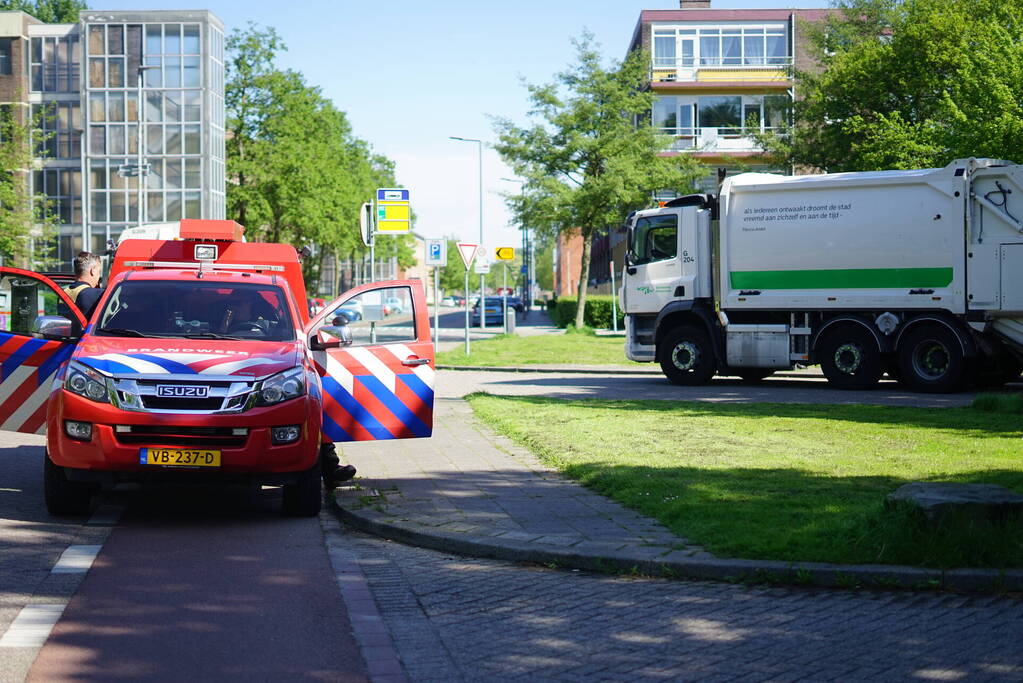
{"x": 413, "y": 362}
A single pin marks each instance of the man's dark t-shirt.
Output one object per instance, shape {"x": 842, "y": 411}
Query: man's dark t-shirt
{"x": 87, "y": 297}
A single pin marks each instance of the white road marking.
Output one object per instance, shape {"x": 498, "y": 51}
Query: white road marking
{"x": 32, "y": 626}
{"x": 77, "y": 559}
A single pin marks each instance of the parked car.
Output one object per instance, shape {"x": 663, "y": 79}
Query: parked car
{"x": 351, "y": 310}
{"x": 494, "y": 311}
{"x": 393, "y": 306}
{"x": 448, "y": 301}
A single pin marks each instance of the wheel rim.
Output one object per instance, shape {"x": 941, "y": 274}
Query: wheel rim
{"x": 931, "y": 359}
{"x": 848, "y": 358}
{"x": 685, "y": 356}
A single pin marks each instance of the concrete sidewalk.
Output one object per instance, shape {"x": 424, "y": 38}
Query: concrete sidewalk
{"x": 468, "y": 490}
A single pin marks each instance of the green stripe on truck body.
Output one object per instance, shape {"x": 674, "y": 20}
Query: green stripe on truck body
{"x": 851, "y": 278}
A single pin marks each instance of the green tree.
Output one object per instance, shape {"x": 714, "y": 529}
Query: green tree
{"x": 910, "y": 84}
{"x": 585, "y": 160}
{"x": 48, "y": 11}
{"x": 26, "y": 221}
{"x": 298, "y": 173}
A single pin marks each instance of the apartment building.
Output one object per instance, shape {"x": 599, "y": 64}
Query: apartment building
{"x": 108, "y": 163}
{"x": 720, "y": 76}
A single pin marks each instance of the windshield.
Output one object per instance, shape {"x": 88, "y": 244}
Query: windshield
{"x": 655, "y": 238}
{"x": 196, "y": 309}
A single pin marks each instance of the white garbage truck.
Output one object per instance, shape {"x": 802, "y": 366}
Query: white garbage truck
{"x": 915, "y": 273}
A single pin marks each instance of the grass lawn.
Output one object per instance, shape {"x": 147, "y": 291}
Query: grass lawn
{"x": 781, "y": 481}
{"x": 547, "y": 349}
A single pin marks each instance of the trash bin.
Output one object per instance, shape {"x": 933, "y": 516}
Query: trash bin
{"x": 509, "y": 321}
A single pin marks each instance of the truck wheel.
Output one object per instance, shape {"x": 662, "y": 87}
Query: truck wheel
{"x": 686, "y": 356}
{"x": 850, "y": 358}
{"x": 302, "y": 499}
{"x": 931, "y": 359}
{"x": 64, "y": 497}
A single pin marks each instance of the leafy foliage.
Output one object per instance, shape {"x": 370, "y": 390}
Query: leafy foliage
{"x": 299, "y": 175}
{"x": 585, "y": 160}
{"x": 48, "y": 11}
{"x": 910, "y": 84}
{"x": 597, "y": 314}
{"x": 25, "y": 221}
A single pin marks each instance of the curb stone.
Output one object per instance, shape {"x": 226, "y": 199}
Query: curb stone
{"x": 672, "y": 565}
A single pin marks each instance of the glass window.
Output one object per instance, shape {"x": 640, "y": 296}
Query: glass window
{"x": 155, "y": 179}
{"x": 154, "y": 139}
{"x": 115, "y": 106}
{"x": 777, "y": 51}
{"x": 154, "y": 42}
{"x": 686, "y": 124}
{"x": 6, "y": 48}
{"x": 172, "y": 102}
{"x": 753, "y": 49}
{"x": 98, "y": 174}
{"x": 132, "y": 109}
{"x": 731, "y": 49}
{"x": 97, "y": 107}
{"x": 181, "y": 308}
{"x": 777, "y": 111}
{"x": 664, "y": 50}
{"x": 710, "y": 50}
{"x": 96, "y": 75}
{"x": 172, "y": 145}
{"x": 115, "y": 140}
{"x": 721, "y": 112}
{"x": 191, "y": 75}
{"x": 172, "y": 72}
{"x": 115, "y": 40}
{"x": 98, "y": 208}
{"x": 394, "y": 303}
{"x": 193, "y": 105}
{"x": 193, "y": 140}
{"x": 154, "y": 208}
{"x": 97, "y": 140}
{"x": 751, "y": 116}
{"x": 173, "y": 206}
{"x": 96, "y": 39}
{"x": 115, "y": 69}
{"x": 154, "y": 109}
{"x": 655, "y": 239}
{"x": 153, "y": 77}
{"x": 172, "y": 178}
{"x": 117, "y": 207}
{"x": 172, "y": 39}
{"x": 193, "y": 205}
{"x": 664, "y": 114}
{"x": 193, "y": 173}
{"x": 191, "y": 44}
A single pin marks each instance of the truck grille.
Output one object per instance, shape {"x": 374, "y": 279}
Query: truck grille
{"x": 194, "y": 437}
{"x": 167, "y": 403}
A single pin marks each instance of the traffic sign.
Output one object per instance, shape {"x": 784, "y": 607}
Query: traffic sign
{"x": 393, "y": 211}
{"x": 468, "y": 252}
{"x": 437, "y": 253}
{"x": 482, "y": 265}
{"x": 504, "y": 253}
{"x": 366, "y": 223}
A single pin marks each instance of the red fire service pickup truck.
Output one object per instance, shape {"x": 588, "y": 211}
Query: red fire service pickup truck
{"x": 201, "y": 363}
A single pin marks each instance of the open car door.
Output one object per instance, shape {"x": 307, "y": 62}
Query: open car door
{"x": 381, "y": 385}
{"x": 28, "y": 364}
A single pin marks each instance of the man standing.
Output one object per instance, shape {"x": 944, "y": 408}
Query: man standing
{"x": 85, "y": 290}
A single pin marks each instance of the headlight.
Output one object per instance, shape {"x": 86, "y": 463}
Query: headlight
{"x": 281, "y": 387}
{"x": 84, "y": 381}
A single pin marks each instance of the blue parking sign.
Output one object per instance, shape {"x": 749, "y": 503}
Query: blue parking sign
{"x": 436, "y": 253}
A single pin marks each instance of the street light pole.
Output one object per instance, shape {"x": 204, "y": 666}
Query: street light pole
{"x": 479, "y": 150}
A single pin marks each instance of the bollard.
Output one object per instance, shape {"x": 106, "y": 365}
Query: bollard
{"x": 509, "y": 321}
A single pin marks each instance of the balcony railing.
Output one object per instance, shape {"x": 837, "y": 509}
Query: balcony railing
{"x": 721, "y": 69}
{"x": 737, "y": 139}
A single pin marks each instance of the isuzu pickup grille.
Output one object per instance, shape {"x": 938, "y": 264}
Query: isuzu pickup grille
{"x": 195, "y": 437}
{"x": 183, "y": 394}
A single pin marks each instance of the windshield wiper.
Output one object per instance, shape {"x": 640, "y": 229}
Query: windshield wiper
{"x": 208, "y": 335}
{"x": 121, "y": 331}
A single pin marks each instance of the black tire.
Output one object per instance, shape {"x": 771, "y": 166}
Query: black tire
{"x": 931, "y": 359}
{"x": 64, "y": 497}
{"x": 753, "y": 375}
{"x": 850, "y": 357}
{"x": 687, "y": 356}
{"x": 303, "y": 498}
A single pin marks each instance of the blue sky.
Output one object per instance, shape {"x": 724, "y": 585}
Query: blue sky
{"x": 412, "y": 73}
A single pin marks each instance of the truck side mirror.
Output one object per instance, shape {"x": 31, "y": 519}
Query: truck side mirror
{"x": 341, "y": 332}
{"x": 55, "y": 327}
{"x": 630, "y": 262}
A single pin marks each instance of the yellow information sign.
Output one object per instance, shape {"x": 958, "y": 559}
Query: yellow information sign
{"x": 393, "y": 211}
{"x": 504, "y": 253}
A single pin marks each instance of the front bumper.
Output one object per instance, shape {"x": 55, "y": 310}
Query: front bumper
{"x": 112, "y": 455}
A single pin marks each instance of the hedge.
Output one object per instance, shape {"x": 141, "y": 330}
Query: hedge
{"x": 597, "y": 314}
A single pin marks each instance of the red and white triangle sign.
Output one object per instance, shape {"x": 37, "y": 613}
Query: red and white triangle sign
{"x": 467, "y": 252}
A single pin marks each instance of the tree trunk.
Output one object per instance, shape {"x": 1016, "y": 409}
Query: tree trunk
{"x": 584, "y": 278}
